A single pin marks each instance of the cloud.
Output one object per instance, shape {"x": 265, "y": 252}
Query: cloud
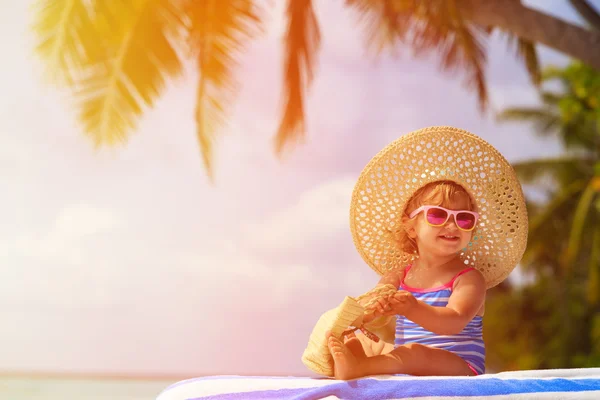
{"x": 513, "y": 95}
{"x": 92, "y": 257}
{"x": 57, "y": 266}
{"x": 75, "y": 227}
{"x": 82, "y": 220}
{"x": 92, "y": 282}
{"x": 320, "y": 214}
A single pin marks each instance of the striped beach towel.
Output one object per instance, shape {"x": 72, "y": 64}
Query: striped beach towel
{"x": 535, "y": 384}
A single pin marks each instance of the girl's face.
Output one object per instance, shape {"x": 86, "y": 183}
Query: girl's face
{"x": 442, "y": 240}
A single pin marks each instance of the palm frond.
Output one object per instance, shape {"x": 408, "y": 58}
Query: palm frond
{"x": 546, "y": 223}
{"x": 66, "y": 37}
{"x": 218, "y": 32}
{"x": 526, "y": 50}
{"x": 574, "y": 135}
{"x": 588, "y": 12}
{"x": 532, "y": 253}
{"x": 430, "y": 27}
{"x": 439, "y": 26}
{"x": 550, "y": 98}
{"x": 545, "y": 120}
{"x": 533, "y": 170}
{"x": 386, "y": 22}
{"x": 302, "y": 42}
{"x": 467, "y": 50}
{"x": 553, "y": 205}
{"x": 579, "y": 220}
{"x": 593, "y": 286}
{"x": 132, "y": 70}
{"x": 551, "y": 73}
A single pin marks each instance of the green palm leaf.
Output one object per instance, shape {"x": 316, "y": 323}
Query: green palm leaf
{"x": 137, "y": 60}
{"x": 302, "y": 42}
{"x": 579, "y": 221}
{"x": 534, "y": 170}
{"x": 593, "y": 288}
{"x": 545, "y": 120}
{"x": 552, "y": 72}
{"x": 66, "y": 37}
{"x": 218, "y": 31}
{"x": 568, "y": 114}
{"x": 562, "y": 197}
{"x": 550, "y": 98}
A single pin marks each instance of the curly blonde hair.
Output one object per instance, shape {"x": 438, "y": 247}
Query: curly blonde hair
{"x": 440, "y": 193}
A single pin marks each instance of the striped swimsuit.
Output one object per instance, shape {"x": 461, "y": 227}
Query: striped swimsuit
{"x": 468, "y": 344}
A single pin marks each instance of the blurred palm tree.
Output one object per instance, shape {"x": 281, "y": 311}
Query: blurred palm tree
{"x": 572, "y": 114}
{"x": 556, "y": 319}
{"x": 118, "y": 55}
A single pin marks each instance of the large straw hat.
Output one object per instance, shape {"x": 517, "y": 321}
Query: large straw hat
{"x": 433, "y": 154}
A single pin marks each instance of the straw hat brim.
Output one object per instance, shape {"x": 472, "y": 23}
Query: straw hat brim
{"x": 429, "y": 155}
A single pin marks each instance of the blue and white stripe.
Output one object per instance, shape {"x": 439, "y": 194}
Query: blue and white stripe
{"x": 468, "y": 344}
{"x": 567, "y": 384}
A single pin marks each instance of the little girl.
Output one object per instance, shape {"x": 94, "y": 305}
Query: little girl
{"x": 462, "y": 229}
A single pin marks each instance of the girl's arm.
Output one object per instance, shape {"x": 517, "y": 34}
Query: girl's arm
{"x": 393, "y": 277}
{"x": 468, "y": 296}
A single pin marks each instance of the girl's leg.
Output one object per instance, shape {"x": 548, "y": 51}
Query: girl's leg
{"x": 412, "y": 359}
{"x": 367, "y": 347}
{"x": 355, "y": 347}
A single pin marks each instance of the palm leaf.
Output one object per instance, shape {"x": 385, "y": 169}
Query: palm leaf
{"x": 66, "y": 37}
{"x": 137, "y": 60}
{"x": 440, "y": 27}
{"x": 593, "y": 286}
{"x": 532, "y": 171}
{"x": 302, "y": 41}
{"x": 527, "y": 52}
{"x": 587, "y": 11}
{"x": 579, "y": 220}
{"x": 552, "y": 72}
{"x": 218, "y": 31}
{"x": 550, "y": 98}
{"x": 540, "y": 252}
{"x": 386, "y": 22}
{"x": 546, "y": 214}
{"x": 545, "y": 120}
{"x": 429, "y": 27}
{"x": 467, "y": 50}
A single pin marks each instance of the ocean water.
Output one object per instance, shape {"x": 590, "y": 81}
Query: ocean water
{"x": 23, "y": 388}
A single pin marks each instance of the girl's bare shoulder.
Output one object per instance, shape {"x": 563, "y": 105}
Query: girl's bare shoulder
{"x": 393, "y": 276}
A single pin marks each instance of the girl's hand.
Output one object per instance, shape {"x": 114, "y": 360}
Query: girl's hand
{"x": 401, "y": 303}
{"x": 376, "y": 309}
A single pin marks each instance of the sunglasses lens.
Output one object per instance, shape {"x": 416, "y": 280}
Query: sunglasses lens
{"x": 465, "y": 220}
{"x": 436, "y": 216}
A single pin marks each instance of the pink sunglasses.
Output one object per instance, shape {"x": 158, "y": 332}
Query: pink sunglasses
{"x": 438, "y": 216}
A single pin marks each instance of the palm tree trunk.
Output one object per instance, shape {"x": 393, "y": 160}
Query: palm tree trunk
{"x": 511, "y": 16}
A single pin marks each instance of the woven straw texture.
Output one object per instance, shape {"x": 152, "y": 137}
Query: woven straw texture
{"x": 433, "y": 154}
{"x": 350, "y": 312}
